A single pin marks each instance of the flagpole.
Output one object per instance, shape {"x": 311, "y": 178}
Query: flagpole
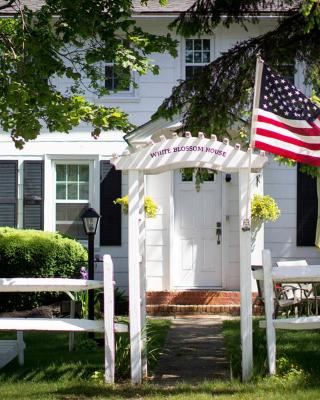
{"x": 256, "y": 97}
{"x": 245, "y": 244}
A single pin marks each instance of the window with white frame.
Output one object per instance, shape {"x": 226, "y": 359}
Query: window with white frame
{"x": 197, "y": 55}
{"x": 117, "y": 78}
{"x": 72, "y": 198}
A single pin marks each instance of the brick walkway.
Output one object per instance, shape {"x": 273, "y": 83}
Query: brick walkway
{"x": 194, "y": 351}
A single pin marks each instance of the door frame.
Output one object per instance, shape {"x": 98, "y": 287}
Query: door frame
{"x": 224, "y": 236}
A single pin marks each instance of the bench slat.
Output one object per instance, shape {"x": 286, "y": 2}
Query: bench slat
{"x": 47, "y": 284}
{"x": 300, "y": 323}
{"x": 56, "y": 325}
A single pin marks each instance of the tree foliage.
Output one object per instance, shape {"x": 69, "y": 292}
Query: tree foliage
{"x": 221, "y": 95}
{"x": 67, "y": 40}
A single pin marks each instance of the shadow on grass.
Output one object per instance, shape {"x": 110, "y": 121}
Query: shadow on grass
{"x": 47, "y": 357}
{"x": 52, "y": 372}
{"x": 234, "y": 389}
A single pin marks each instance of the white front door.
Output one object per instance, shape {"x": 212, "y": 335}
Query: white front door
{"x": 197, "y": 250}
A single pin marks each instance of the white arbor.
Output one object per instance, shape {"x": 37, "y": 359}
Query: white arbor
{"x": 166, "y": 155}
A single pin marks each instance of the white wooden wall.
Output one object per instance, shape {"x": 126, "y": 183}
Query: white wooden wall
{"x": 280, "y": 236}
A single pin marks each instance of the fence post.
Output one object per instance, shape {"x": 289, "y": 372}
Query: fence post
{"x": 20, "y": 346}
{"x": 269, "y": 310}
{"x": 134, "y": 278}
{"x": 109, "y": 341}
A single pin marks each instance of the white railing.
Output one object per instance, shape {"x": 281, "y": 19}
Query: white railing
{"x": 289, "y": 274}
{"x": 106, "y": 326}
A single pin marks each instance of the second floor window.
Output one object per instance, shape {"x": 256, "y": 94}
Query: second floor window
{"x": 117, "y": 78}
{"x": 197, "y": 55}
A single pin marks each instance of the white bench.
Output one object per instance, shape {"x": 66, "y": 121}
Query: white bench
{"x": 15, "y": 348}
{"x": 287, "y": 274}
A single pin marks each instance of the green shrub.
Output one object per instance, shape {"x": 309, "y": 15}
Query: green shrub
{"x": 32, "y": 253}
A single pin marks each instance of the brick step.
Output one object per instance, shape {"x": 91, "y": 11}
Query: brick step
{"x": 196, "y": 297}
{"x": 198, "y": 309}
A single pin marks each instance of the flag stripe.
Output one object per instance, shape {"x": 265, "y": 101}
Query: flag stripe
{"x": 303, "y": 158}
{"x": 310, "y": 131}
{"x": 288, "y": 139}
{"x": 316, "y": 124}
{"x": 296, "y": 123}
{"x": 288, "y": 133}
{"x": 287, "y": 146}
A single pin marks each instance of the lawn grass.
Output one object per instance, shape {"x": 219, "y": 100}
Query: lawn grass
{"x": 296, "y": 350}
{"x": 52, "y": 373}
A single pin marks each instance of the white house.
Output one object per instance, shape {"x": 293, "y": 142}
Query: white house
{"x": 193, "y": 243}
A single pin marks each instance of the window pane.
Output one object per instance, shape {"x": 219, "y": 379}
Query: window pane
{"x": 197, "y": 44}
{"x": 208, "y": 176}
{"x": 84, "y": 173}
{"x": 197, "y": 57}
{"x": 69, "y": 211}
{"x": 206, "y": 44}
{"x": 69, "y": 221}
{"x": 74, "y": 230}
{"x": 187, "y": 175}
{"x": 83, "y": 191}
{"x": 197, "y": 70}
{"x": 72, "y": 191}
{"x": 61, "y": 191}
{"x": 206, "y": 57}
{"x": 189, "y": 44}
{"x": 189, "y": 56}
{"x": 189, "y": 72}
{"x": 109, "y": 81}
{"x": 61, "y": 172}
{"x": 72, "y": 173}
{"x": 122, "y": 78}
{"x": 117, "y": 78}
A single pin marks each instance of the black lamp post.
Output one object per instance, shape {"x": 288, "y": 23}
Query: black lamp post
{"x": 90, "y": 219}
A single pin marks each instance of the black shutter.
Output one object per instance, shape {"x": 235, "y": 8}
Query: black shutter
{"x": 307, "y": 209}
{"x": 110, "y": 189}
{"x": 33, "y": 182}
{"x": 8, "y": 193}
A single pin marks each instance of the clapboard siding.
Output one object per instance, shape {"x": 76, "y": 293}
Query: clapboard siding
{"x": 275, "y": 235}
{"x": 158, "y": 233}
{"x": 281, "y": 236}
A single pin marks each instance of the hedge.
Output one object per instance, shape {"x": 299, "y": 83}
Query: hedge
{"x": 33, "y": 253}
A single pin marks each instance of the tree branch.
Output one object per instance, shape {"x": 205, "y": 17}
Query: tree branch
{"x": 7, "y": 5}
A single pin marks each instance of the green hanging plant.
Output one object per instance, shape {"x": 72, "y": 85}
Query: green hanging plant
{"x": 264, "y": 208}
{"x": 150, "y": 207}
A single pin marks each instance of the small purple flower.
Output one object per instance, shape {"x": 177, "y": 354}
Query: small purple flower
{"x": 84, "y": 273}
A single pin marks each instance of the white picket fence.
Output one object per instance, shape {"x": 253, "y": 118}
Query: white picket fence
{"x": 270, "y": 275}
{"x": 10, "y": 349}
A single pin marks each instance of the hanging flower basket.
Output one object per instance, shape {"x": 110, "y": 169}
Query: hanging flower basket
{"x": 263, "y": 209}
{"x": 150, "y": 207}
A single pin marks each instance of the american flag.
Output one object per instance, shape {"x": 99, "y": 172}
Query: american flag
{"x": 286, "y": 122}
